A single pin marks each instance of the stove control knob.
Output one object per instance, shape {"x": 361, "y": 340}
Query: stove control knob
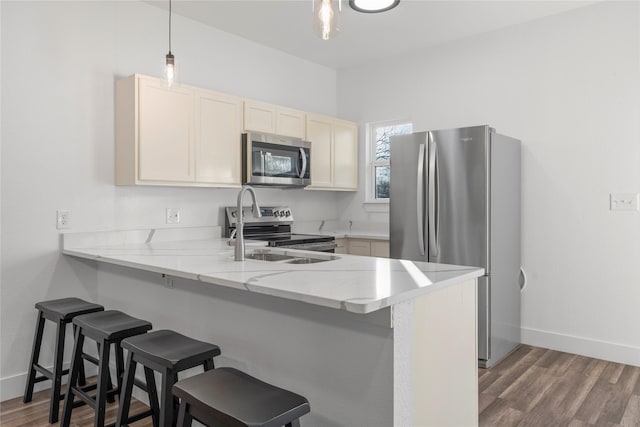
{"x": 288, "y": 213}
{"x": 234, "y": 214}
{"x": 276, "y": 214}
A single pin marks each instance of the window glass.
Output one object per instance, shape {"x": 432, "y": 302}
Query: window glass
{"x": 380, "y": 151}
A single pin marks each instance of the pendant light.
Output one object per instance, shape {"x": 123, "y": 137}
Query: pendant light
{"x": 170, "y": 65}
{"x": 373, "y": 6}
{"x": 326, "y": 14}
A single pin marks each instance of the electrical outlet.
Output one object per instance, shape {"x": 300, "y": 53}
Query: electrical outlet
{"x": 173, "y": 216}
{"x": 624, "y": 201}
{"x": 63, "y": 219}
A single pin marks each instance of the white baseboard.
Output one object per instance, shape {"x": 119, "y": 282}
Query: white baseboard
{"x": 613, "y": 352}
{"x": 13, "y": 386}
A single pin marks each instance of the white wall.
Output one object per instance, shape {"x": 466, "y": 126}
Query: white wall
{"x": 59, "y": 64}
{"x": 569, "y": 87}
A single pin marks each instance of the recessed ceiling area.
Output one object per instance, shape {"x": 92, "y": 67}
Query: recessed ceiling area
{"x": 364, "y": 37}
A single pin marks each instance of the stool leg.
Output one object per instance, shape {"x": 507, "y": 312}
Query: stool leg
{"x": 103, "y": 384}
{"x": 169, "y": 378}
{"x": 119, "y": 366}
{"x": 294, "y": 423}
{"x": 73, "y": 377}
{"x": 82, "y": 378}
{"x": 208, "y": 365}
{"x": 184, "y": 417}
{"x": 56, "y": 383}
{"x": 110, "y": 397}
{"x": 35, "y": 356}
{"x": 153, "y": 396}
{"x": 125, "y": 392}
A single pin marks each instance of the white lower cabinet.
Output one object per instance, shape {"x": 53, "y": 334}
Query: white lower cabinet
{"x": 365, "y": 247}
{"x": 180, "y": 135}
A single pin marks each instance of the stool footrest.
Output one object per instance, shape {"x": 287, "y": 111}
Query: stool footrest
{"x": 141, "y": 385}
{"x": 43, "y": 371}
{"x": 40, "y": 379}
{"x": 85, "y": 397}
{"x": 91, "y": 359}
{"x": 139, "y": 416}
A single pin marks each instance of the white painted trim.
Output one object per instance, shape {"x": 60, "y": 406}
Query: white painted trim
{"x": 13, "y": 386}
{"x": 605, "y": 350}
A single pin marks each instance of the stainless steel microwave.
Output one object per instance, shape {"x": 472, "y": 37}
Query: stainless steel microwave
{"x": 275, "y": 160}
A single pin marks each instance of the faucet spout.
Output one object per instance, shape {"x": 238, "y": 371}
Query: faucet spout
{"x": 255, "y": 209}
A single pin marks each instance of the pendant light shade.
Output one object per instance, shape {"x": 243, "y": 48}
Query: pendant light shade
{"x": 326, "y": 18}
{"x": 170, "y": 62}
{"x": 373, "y": 6}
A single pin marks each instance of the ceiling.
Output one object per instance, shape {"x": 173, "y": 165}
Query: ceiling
{"x": 364, "y": 37}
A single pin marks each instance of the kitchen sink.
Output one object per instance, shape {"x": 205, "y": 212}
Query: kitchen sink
{"x": 288, "y": 257}
{"x": 268, "y": 256}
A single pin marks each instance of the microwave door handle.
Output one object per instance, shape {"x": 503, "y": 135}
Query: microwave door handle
{"x": 262, "y": 171}
{"x": 303, "y": 156}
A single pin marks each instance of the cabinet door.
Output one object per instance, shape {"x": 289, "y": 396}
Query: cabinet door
{"x": 218, "y": 141}
{"x": 341, "y": 247}
{"x": 259, "y": 117}
{"x": 319, "y": 132}
{"x": 359, "y": 247}
{"x": 345, "y": 141}
{"x": 165, "y": 132}
{"x": 380, "y": 248}
{"x": 290, "y": 122}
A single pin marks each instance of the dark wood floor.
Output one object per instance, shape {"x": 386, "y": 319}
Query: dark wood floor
{"x": 538, "y": 387}
{"x": 531, "y": 387}
{"x": 14, "y": 413}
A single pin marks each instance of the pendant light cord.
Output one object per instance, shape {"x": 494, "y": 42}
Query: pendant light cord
{"x": 169, "y": 26}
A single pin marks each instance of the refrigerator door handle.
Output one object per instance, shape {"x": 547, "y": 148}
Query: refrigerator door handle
{"x": 433, "y": 241}
{"x": 420, "y": 199}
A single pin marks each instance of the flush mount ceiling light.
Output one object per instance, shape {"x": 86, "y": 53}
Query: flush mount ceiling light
{"x": 373, "y": 6}
{"x": 170, "y": 65}
{"x": 326, "y": 14}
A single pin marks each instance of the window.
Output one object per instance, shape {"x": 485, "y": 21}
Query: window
{"x": 378, "y": 154}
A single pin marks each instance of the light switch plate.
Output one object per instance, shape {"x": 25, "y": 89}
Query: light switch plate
{"x": 624, "y": 201}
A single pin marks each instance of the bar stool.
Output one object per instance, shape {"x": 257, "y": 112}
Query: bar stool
{"x": 105, "y": 328}
{"x": 167, "y": 352}
{"x": 228, "y": 397}
{"x": 61, "y": 312}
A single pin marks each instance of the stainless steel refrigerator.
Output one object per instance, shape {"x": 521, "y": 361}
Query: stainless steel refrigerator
{"x": 455, "y": 199}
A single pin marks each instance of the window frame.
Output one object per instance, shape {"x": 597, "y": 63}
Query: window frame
{"x": 370, "y": 202}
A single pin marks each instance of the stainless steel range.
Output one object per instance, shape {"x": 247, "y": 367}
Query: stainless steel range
{"x": 274, "y": 227}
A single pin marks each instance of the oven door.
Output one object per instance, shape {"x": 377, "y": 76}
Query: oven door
{"x": 273, "y": 160}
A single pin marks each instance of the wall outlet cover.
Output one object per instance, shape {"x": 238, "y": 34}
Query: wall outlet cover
{"x": 624, "y": 201}
{"x": 63, "y": 219}
{"x": 173, "y": 215}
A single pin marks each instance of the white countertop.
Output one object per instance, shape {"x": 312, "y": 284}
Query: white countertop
{"x": 353, "y": 283}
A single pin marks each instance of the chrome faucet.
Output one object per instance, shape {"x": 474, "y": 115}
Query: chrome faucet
{"x": 255, "y": 209}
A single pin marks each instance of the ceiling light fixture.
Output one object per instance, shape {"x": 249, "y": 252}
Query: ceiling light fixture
{"x": 373, "y": 6}
{"x": 326, "y": 14}
{"x": 170, "y": 65}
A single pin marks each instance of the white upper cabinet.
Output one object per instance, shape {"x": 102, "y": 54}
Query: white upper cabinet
{"x": 176, "y": 136}
{"x": 334, "y": 153}
{"x": 218, "y": 128}
{"x": 270, "y": 118}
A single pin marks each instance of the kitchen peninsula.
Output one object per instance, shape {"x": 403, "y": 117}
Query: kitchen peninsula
{"x": 369, "y": 341}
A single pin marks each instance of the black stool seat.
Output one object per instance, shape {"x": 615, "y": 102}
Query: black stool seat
{"x": 66, "y": 308}
{"x": 61, "y": 312}
{"x": 168, "y": 353}
{"x": 111, "y": 325}
{"x": 233, "y": 398}
{"x": 170, "y": 349}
